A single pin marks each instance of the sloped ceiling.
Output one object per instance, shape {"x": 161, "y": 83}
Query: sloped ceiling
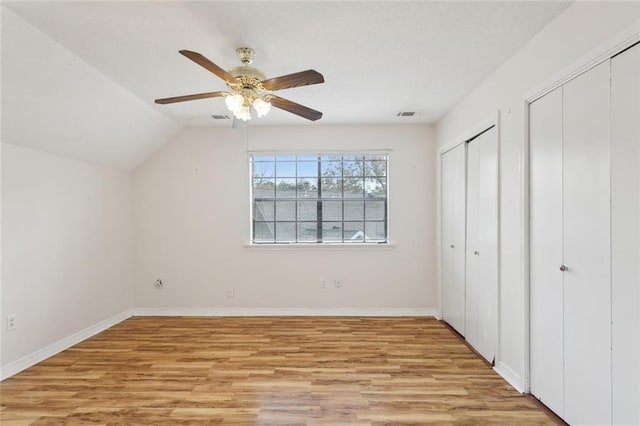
{"x": 55, "y": 102}
{"x": 80, "y": 78}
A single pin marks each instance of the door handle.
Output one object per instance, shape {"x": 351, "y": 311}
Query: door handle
{"x": 563, "y": 268}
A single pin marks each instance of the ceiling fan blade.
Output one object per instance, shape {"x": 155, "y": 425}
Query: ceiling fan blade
{"x": 206, "y": 63}
{"x": 302, "y": 78}
{"x": 294, "y": 108}
{"x": 190, "y": 97}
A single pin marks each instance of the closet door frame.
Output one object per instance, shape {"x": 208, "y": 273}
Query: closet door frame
{"x": 595, "y": 57}
{"x": 474, "y": 131}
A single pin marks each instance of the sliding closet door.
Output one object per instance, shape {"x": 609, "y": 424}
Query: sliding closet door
{"x": 453, "y": 237}
{"x": 587, "y": 279}
{"x": 546, "y": 295}
{"x": 482, "y": 244}
{"x": 625, "y": 238}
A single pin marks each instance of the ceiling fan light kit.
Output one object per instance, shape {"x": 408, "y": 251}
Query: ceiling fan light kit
{"x": 249, "y": 88}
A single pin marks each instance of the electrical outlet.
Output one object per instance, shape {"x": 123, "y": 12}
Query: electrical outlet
{"x": 323, "y": 283}
{"x": 231, "y": 292}
{"x": 337, "y": 283}
{"x": 11, "y": 322}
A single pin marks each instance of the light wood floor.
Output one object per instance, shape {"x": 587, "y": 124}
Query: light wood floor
{"x": 267, "y": 371}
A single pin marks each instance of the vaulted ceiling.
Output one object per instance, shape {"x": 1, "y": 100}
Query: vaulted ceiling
{"x": 79, "y": 78}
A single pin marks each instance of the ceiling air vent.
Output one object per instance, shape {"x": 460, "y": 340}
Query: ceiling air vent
{"x": 406, "y": 114}
{"x": 221, "y": 117}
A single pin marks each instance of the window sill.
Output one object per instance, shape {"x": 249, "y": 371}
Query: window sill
{"x": 326, "y": 246}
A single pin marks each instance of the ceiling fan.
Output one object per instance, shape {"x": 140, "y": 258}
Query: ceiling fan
{"x": 249, "y": 88}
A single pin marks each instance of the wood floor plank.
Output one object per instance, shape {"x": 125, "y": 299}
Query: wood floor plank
{"x": 266, "y": 371}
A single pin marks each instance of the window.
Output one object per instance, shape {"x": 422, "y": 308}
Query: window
{"x": 319, "y": 199}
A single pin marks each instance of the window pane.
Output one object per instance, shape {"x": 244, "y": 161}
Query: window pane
{"x": 376, "y": 187}
{"x": 286, "y": 169}
{"x": 286, "y": 158}
{"x": 307, "y": 169}
{"x": 353, "y": 232}
{"x": 331, "y": 231}
{"x": 264, "y": 158}
{"x": 353, "y": 168}
{"x": 307, "y": 232}
{"x": 375, "y": 168}
{"x": 353, "y": 187}
{"x": 263, "y": 210}
{"x": 375, "y": 231}
{"x": 286, "y": 188}
{"x": 331, "y": 158}
{"x": 308, "y": 210}
{"x": 307, "y": 158}
{"x": 331, "y": 168}
{"x": 307, "y": 188}
{"x": 375, "y": 210}
{"x": 352, "y": 158}
{"x": 263, "y": 232}
{"x": 263, "y": 188}
{"x": 263, "y": 169}
{"x": 354, "y": 210}
{"x": 286, "y": 210}
{"x": 332, "y": 210}
{"x": 285, "y": 231}
{"x": 331, "y": 188}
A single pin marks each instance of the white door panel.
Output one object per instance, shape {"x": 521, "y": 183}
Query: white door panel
{"x": 472, "y": 317}
{"x": 453, "y": 237}
{"x": 546, "y": 295}
{"x": 587, "y": 282}
{"x": 625, "y": 238}
{"x": 482, "y": 244}
{"x": 488, "y": 243}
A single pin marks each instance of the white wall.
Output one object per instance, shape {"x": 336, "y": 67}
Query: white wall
{"x": 192, "y": 227}
{"x": 581, "y": 28}
{"x": 67, "y": 232}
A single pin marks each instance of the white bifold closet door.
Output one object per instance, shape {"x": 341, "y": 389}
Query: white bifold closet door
{"x": 625, "y": 235}
{"x": 573, "y": 238}
{"x": 481, "y": 325}
{"x": 587, "y": 248}
{"x": 453, "y": 237}
{"x": 546, "y": 280}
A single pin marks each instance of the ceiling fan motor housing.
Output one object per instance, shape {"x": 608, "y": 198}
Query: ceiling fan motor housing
{"x": 249, "y": 78}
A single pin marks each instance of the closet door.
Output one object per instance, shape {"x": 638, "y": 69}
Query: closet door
{"x": 625, "y": 238}
{"x": 482, "y": 244}
{"x": 453, "y": 237}
{"x": 546, "y": 283}
{"x": 586, "y": 220}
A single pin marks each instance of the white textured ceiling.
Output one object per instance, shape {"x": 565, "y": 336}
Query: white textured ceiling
{"x": 378, "y": 58}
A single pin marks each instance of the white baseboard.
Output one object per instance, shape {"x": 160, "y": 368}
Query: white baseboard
{"x": 510, "y": 376}
{"x": 59, "y": 346}
{"x": 260, "y": 312}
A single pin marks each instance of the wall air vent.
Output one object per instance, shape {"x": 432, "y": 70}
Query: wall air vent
{"x": 221, "y": 117}
{"x": 406, "y": 114}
